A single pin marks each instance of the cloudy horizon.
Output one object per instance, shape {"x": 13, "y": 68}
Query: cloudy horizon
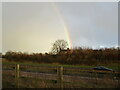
{"x": 33, "y": 27}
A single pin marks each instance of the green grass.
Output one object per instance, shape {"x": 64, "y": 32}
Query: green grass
{"x": 114, "y": 66}
{"x": 54, "y": 70}
{"x": 46, "y": 64}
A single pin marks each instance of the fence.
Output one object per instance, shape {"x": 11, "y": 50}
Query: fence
{"x": 59, "y": 73}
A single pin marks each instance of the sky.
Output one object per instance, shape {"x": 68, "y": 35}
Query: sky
{"x": 34, "y": 27}
{"x": 0, "y": 27}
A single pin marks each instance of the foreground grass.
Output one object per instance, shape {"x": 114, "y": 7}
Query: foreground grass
{"x": 28, "y": 82}
{"x": 34, "y": 82}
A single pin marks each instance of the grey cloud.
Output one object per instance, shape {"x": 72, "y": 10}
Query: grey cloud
{"x": 93, "y": 23}
{"x": 90, "y": 24}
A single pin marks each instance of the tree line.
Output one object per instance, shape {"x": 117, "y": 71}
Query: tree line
{"x": 60, "y": 53}
{"x": 75, "y": 56}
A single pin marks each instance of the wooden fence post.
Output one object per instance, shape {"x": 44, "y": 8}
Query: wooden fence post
{"x": 60, "y": 76}
{"x": 96, "y": 75}
{"x": 17, "y": 75}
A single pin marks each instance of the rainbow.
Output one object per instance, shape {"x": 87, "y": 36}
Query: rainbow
{"x": 65, "y": 25}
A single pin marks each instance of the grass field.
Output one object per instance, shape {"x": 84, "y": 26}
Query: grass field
{"x": 114, "y": 66}
{"x": 35, "y": 82}
{"x": 8, "y": 82}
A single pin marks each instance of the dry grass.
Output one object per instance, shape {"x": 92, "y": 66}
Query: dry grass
{"x": 108, "y": 80}
{"x": 34, "y": 82}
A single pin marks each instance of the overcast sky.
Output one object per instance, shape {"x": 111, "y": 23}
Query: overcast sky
{"x": 0, "y": 27}
{"x": 33, "y": 27}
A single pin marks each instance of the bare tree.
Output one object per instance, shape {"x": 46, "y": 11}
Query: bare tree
{"x": 58, "y": 46}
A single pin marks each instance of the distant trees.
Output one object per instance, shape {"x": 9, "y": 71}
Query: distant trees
{"x": 0, "y": 54}
{"x": 60, "y": 54}
{"x": 58, "y": 46}
{"x": 77, "y": 56}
